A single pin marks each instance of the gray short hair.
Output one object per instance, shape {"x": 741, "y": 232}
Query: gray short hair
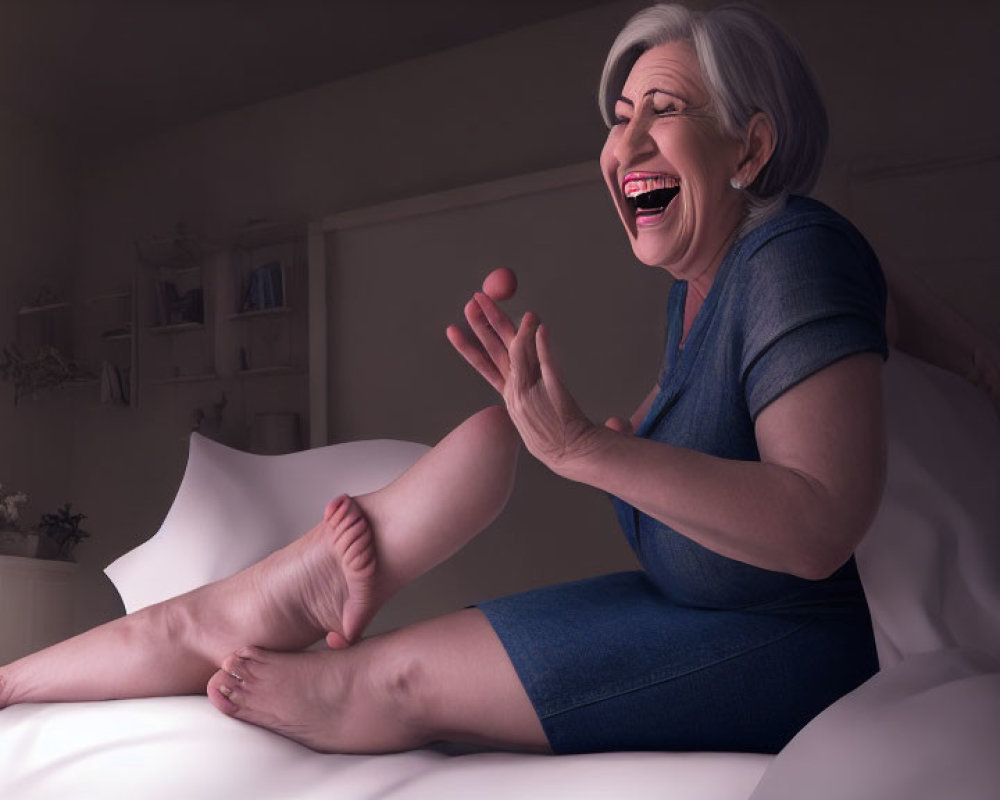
{"x": 749, "y": 65}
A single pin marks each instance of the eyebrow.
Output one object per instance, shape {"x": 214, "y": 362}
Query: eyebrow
{"x": 626, "y": 101}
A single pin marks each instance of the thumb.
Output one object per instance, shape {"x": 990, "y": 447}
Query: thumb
{"x": 619, "y": 425}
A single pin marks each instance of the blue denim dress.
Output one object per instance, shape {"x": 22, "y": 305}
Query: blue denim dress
{"x": 698, "y": 651}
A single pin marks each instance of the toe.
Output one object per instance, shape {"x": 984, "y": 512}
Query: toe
{"x": 333, "y": 506}
{"x": 250, "y": 653}
{"x": 221, "y": 693}
{"x": 235, "y": 666}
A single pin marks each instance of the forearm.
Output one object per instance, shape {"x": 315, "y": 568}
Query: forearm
{"x": 763, "y": 514}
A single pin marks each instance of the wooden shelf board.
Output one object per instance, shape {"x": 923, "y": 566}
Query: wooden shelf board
{"x": 207, "y": 376}
{"x": 99, "y": 298}
{"x": 261, "y": 312}
{"x": 179, "y": 327}
{"x": 280, "y": 369}
{"x": 25, "y": 311}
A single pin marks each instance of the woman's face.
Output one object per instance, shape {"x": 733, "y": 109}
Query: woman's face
{"x": 667, "y": 164}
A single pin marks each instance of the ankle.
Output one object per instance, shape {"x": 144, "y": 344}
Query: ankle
{"x": 175, "y": 621}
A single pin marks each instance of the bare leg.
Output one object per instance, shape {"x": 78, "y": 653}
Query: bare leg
{"x": 445, "y": 679}
{"x": 328, "y": 582}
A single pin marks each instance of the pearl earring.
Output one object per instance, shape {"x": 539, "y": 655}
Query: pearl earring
{"x": 736, "y": 183}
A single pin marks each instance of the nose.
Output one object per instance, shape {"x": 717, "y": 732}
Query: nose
{"x": 634, "y": 142}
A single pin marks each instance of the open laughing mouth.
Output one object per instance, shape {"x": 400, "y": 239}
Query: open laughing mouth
{"x": 648, "y": 195}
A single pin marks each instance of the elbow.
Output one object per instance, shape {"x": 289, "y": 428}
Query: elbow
{"x": 817, "y": 569}
{"x": 819, "y": 562}
{"x": 825, "y": 541}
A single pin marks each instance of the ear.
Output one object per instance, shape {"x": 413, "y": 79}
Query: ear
{"x": 758, "y": 146}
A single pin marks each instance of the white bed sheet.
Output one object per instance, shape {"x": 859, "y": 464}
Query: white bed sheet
{"x": 181, "y": 748}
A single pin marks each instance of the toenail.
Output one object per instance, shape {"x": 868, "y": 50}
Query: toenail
{"x": 225, "y": 691}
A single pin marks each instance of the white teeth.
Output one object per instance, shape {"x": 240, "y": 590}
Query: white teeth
{"x": 636, "y": 186}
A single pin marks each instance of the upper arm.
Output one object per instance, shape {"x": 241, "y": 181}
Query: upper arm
{"x": 812, "y": 297}
{"x": 814, "y": 342}
{"x": 830, "y": 430}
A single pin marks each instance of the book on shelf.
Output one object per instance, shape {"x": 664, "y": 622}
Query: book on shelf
{"x": 265, "y": 288}
{"x": 114, "y": 387}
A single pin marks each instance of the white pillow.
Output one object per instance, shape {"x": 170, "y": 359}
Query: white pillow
{"x": 234, "y": 508}
{"x": 930, "y": 563}
{"x": 924, "y": 729}
{"x": 926, "y": 726}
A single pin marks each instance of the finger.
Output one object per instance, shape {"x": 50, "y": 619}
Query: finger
{"x": 476, "y": 358}
{"x": 618, "y": 425}
{"x": 500, "y": 284}
{"x": 551, "y": 374}
{"x": 552, "y": 378}
{"x": 524, "y": 371}
{"x": 488, "y": 337}
{"x": 498, "y": 320}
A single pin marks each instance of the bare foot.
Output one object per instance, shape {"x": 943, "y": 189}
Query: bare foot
{"x": 354, "y": 546}
{"x": 301, "y": 696}
{"x": 320, "y": 584}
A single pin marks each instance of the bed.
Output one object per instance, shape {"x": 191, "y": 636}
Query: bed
{"x": 926, "y": 726}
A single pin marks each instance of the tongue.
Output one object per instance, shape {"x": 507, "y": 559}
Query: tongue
{"x": 658, "y": 198}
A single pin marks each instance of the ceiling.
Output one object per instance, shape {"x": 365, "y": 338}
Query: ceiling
{"x": 108, "y": 72}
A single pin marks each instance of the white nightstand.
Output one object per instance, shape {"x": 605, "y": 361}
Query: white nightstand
{"x": 36, "y": 604}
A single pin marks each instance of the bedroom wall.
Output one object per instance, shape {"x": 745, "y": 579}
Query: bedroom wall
{"x": 900, "y": 83}
{"x": 915, "y": 136}
{"x": 38, "y": 205}
{"x": 463, "y": 116}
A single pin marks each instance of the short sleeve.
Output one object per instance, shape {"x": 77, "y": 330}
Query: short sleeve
{"x": 814, "y": 295}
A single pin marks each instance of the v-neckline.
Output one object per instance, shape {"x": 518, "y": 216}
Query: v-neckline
{"x": 683, "y": 350}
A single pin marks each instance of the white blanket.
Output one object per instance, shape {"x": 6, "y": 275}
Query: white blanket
{"x": 181, "y": 748}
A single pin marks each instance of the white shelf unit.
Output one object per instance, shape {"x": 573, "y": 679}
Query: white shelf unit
{"x": 37, "y": 598}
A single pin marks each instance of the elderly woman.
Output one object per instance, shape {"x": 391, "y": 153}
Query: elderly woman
{"x": 757, "y": 461}
{"x": 743, "y": 481}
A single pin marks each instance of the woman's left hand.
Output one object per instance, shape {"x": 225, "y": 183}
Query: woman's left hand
{"x": 518, "y": 363}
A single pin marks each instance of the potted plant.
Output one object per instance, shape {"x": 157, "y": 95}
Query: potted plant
{"x": 33, "y": 376}
{"x": 13, "y": 540}
{"x": 59, "y": 533}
